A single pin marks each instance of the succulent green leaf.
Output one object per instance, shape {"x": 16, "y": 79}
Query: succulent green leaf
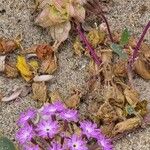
{"x": 125, "y": 37}
{"x": 119, "y": 51}
{"x": 6, "y": 144}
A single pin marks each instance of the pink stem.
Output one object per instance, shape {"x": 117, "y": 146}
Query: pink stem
{"x": 136, "y": 49}
{"x": 89, "y": 46}
{"x": 108, "y": 28}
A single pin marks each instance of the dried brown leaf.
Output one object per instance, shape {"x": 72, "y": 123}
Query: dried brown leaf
{"x": 11, "y": 70}
{"x": 119, "y": 69}
{"x": 44, "y": 51}
{"x": 55, "y": 96}
{"x": 141, "y": 107}
{"x": 51, "y": 16}
{"x": 39, "y": 90}
{"x": 131, "y": 96}
{"x": 7, "y": 46}
{"x": 60, "y": 32}
{"x": 78, "y": 48}
{"x": 49, "y": 65}
{"x": 142, "y": 69}
{"x": 74, "y": 100}
{"x": 126, "y": 125}
{"x": 106, "y": 129}
{"x": 107, "y": 113}
{"x": 114, "y": 96}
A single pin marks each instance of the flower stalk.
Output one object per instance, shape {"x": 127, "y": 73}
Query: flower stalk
{"x": 136, "y": 49}
{"x": 97, "y": 60}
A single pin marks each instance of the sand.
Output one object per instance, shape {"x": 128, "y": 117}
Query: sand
{"x": 16, "y": 17}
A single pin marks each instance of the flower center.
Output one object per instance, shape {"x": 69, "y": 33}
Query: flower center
{"x": 26, "y": 134}
{"x": 88, "y": 129}
{"x": 75, "y": 145}
{"x": 48, "y": 128}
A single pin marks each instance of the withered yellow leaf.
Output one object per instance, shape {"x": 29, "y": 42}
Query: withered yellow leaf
{"x": 34, "y": 65}
{"x": 24, "y": 68}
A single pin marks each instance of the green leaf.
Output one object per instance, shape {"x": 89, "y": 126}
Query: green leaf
{"x": 6, "y": 144}
{"x": 119, "y": 50}
{"x": 130, "y": 110}
{"x": 125, "y": 37}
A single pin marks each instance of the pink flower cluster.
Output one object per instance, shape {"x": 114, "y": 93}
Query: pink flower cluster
{"x": 51, "y": 125}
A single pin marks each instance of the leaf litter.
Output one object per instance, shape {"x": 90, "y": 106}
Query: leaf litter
{"x": 115, "y": 104}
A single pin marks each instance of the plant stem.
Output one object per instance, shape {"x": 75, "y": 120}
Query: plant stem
{"x": 97, "y": 60}
{"x": 108, "y": 28}
{"x": 136, "y": 49}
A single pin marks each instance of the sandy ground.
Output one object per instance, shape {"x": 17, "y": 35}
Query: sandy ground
{"x": 15, "y": 18}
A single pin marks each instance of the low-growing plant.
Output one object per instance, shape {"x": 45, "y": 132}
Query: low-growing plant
{"x": 55, "y": 127}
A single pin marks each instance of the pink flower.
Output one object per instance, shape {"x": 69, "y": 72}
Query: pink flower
{"x": 24, "y": 134}
{"x": 26, "y": 116}
{"x": 31, "y": 147}
{"x": 69, "y": 115}
{"x": 76, "y": 143}
{"x": 47, "y": 128}
{"x": 89, "y": 129}
{"x": 105, "y": 143}
{"x": 51, "y": 109}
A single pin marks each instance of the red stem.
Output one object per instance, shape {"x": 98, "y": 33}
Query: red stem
{"x": 136, "y": 49}
{"x": 108, "y": 28}
{"x": 97, "y": 60}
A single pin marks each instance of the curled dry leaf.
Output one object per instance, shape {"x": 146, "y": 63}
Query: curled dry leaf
{"x": 78, "y": 48}
{"x": 54, "y": 96}
{"x": 42, "y": 78}
{"x": 107, "y": 129}
{"x": 119, "y": 69}
{"x": 11, "y": 70}
{"x": 145, "y": 53}
{"x": 107, "y": 113}
{"x": 93, "y": 68}
{"x": 131, "y": 96}
{"x": 142, "y": 64}
{"x": 49, "y": 65}
{"x": 2, "y": 63}
{"x": 60, "y": 32}
{"x": 7, "y": 46}
{"x": 51, "y": 16}
{"x": 114, "y": 96}
{"x": 126, "y": 125}
{"x": 76, "y": 11}
{"x": 142, "y": 69}
{"x": 24, "y": 68}
{"x": 96, "y": 37}
{"x": 44, "y": 51}
{"x": 13, "y": 96}
{"x": 141, "y": 107}
{"x": 57, "y": 16}
{"x": 39, "y": 90}
{"x": 74, "y": 100}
